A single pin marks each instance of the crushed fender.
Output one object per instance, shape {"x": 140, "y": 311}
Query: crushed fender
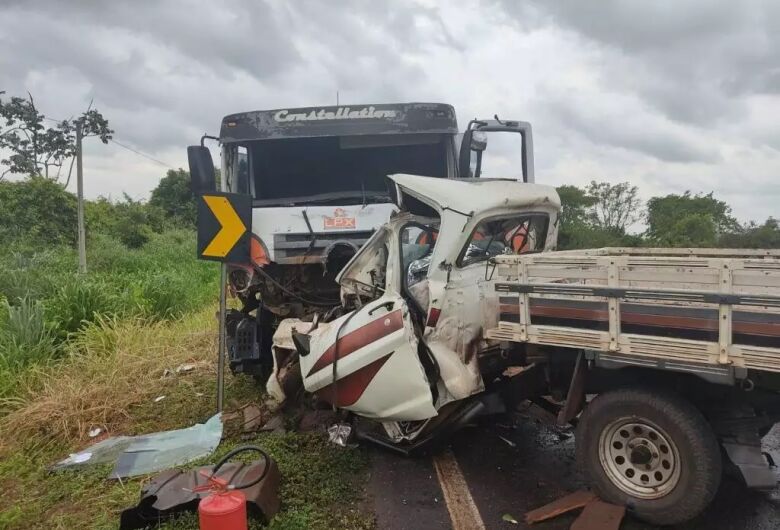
{"x": 174, "y": 492}
{"x": 150, "y": 453}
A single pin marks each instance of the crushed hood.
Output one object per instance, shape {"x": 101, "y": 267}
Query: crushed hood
{"x": 469, "y": 196}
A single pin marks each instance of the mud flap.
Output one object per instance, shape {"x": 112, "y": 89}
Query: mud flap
{"x": 752, "y": 464}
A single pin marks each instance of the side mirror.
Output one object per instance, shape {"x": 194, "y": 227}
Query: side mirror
{"x": 464, "y": 157}
{"x": 476, "y": 141}
{"x": 202, "y": 176}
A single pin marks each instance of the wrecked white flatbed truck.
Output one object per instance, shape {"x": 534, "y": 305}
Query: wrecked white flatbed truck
{"x": 667, "y": 360}
{"x": 317, "y": 178}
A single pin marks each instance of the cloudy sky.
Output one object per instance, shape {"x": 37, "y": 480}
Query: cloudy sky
{"x": 669, "y": 95}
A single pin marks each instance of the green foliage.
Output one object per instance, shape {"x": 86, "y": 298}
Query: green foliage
{"x": 38, "y": 211}
{"x": 597, "y": 216}
{"x": 24, "y": 333}
{"x": 47, "y": 300}
{"x": 33, "y": 148}
{"x": 754, "y": 235}
{"x": 175, "y": 198}
{"x": 614, "y": 206}
{"x": 688, "y": 220}
{"x": 131, "y": 222}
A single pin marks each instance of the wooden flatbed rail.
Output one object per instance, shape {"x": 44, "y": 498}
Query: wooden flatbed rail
{"x": 708, "y": 306}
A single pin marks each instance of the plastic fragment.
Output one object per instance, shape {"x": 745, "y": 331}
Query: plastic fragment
{"x": 339, "y": 433}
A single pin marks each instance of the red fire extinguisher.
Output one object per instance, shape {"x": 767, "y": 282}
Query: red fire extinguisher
{"x": 225, "y": 507}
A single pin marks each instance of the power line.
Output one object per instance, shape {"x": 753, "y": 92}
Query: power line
{"x": 120, "y": 144}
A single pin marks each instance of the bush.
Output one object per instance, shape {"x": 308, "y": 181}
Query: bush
{"x": 81, "y": 300}
{"x": 37, "y": 210}
{"x": 46, "y": 305}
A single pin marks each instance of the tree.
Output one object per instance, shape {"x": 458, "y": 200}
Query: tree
{"x": 753, "y": 235}
{"x": 37, "y": 210}
{"x": 34, "y": 148}
{"x": 130, "y": 221}
{"x": 174, "y": 197}
{"x": 575, "y": 205}
{"x": 688, "y": 220}
{"x": 597, "y": 216}
{"x": 615, "y": 206}
{"x": 575, "y": 218}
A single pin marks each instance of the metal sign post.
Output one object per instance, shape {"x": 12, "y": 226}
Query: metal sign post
{"x": 224, "y": 227}
{"x": 222, "y": 347}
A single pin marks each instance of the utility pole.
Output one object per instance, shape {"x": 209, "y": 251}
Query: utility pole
{"x": 80, "y": 195}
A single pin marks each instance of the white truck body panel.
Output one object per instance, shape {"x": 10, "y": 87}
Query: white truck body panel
{"x": 273, "y": 225}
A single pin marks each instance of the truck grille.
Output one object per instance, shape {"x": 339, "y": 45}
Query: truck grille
{"x": 291, "y": 249}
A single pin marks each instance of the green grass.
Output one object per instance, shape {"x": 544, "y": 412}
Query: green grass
{"x": 78, "y": 351}
{"x": 44, "y": 301}
{"x": 322, "y": 485}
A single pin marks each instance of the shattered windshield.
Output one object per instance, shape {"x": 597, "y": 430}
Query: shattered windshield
{"x": 417, "y": 244}
{"x": 517, "y": 234}
{"x": 343, "y": 170}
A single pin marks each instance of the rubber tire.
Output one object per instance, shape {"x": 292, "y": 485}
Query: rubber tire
{"x": 700, "y": 454}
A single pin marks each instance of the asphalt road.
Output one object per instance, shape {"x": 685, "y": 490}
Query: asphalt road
{"x": 532, "y": 465}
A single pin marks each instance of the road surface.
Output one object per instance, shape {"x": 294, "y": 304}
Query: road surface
{"x": 514, "y": 466}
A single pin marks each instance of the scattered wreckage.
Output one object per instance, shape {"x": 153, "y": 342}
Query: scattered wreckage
{"x": 441, "y": 300}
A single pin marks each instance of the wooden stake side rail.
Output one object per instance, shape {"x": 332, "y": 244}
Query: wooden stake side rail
{"x": 676, "y": 280}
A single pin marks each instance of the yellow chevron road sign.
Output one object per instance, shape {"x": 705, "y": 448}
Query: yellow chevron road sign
{"x": 224, "y": 227}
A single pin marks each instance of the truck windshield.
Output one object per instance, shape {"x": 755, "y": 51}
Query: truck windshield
{"x": 342, "y": 170}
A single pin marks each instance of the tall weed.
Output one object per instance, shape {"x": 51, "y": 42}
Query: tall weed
{"x": 47, "y": 305}
{"x": 25, "y": 340}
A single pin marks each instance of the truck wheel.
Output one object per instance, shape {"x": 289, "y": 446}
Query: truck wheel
{"x": 651, "y": 451}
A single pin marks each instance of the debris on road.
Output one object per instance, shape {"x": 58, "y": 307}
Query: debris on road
{"x": 596, "y": 515}
{"x": 317, "y": 420}
{"x": 509, "y": 518}
{"x": 253, "y": 418}
{"x": 339, "y": 433}
{"x": 509, "y": 442}
{"x": 599, "y": 515}
{"x": 573, "y": 501}
{"x": 275, "y": 424}
{"x": 184, "y": 368}
{"x": 174, "y": 492}
{"x": 150, "y": 453}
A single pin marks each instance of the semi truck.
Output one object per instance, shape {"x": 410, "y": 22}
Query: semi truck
{"x": 317, "y": 178}
{"x": 667, "y": 360}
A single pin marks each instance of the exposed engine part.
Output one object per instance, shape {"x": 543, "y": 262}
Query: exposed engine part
{"x": 249, "y": 343}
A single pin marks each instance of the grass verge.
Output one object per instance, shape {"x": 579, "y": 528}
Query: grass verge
{"x": 109, "y": 377}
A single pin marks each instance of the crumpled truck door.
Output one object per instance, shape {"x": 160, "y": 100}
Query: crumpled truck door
{"x": 367, "y": 362}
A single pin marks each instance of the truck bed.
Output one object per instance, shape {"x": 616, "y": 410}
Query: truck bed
{"x": 711, "y": 311}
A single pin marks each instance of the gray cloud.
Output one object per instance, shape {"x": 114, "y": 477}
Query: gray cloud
{"x": 692, "y": 60}
{"x": 671, "y": 95}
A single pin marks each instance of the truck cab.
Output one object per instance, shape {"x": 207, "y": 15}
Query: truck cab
{"x": 414, "y": 301}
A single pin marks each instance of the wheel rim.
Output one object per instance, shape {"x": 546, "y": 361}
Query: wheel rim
{"x": 639, "y": 457}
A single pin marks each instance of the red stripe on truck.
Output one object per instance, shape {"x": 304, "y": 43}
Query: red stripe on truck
{"x": 356, "y": 339}
{"x": 348, "y": 389}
